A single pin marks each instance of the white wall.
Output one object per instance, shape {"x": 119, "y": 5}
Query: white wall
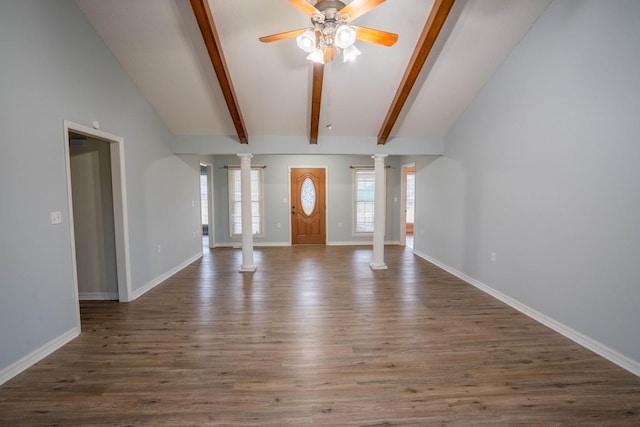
{"x": 276, "y": 187}
{"x": 55, "y": 68}
{"x": 543, "y": 169}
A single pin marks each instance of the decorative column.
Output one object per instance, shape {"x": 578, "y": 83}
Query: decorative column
{"x": 245, "y": 200}
{"x": 379, "y": 213}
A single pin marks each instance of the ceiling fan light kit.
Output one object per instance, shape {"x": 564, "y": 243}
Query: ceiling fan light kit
{"x": 350, "y": 53}
{"x": 317, "y": 56}
{"x": 345, "y": 36}
{"x": 307, "y": 41}
{"x": 331, "y": 31}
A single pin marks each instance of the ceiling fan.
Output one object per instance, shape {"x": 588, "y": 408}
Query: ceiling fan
{"x": 331, "y": 29}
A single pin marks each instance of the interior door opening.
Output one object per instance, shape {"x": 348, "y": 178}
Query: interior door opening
{"x": 93, "y": 217}
{"x": 408, "y": 205}
{"x": 206, "y": 205}
{"x": 97, "y": 210}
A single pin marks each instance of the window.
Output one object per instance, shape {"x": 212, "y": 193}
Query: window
{"x": 204, "y": 197}
{"x": 235, "y": 205}
{"x": 364, "y": 190}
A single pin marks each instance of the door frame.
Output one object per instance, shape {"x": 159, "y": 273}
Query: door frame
{"x": 403, "y": 203}
{"x": 326, "y": 198}
{"x": 120, "y": 211}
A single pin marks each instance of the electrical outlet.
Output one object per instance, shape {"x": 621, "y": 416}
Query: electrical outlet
{"x": 278, "y": 225}
{"x": 493, "y": 256}
{"x": 56, "y": 217}
{"x": 339, "y": 225}
{"x": 159, "y": 248}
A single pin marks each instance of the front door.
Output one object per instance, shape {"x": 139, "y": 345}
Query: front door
{"x": 308, "y": 221}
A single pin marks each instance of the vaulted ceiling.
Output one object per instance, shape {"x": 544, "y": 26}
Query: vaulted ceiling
{"x": 201, "y": 66}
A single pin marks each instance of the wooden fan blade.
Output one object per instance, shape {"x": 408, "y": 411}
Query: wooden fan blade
{"x": 372, "y": 35}
{"x": 359, "y": 7}
{"x": 329, "y": 54}
{"x": 282, "y": 36}
{"x": 304, "y": 7}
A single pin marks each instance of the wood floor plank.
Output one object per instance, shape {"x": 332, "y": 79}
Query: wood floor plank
{"x": 315, "y": 337}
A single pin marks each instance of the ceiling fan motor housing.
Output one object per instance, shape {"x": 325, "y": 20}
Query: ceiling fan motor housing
{"x": 328, "y": 11}
{"x": 327, "y": 21}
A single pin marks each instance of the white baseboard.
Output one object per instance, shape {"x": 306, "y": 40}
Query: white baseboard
{"x": 155, "y": 282}
{"x": 267, "y": 244}
{"x": 37, "y": 355}
{"x": 351, "y": 243}
{"x": 98, "y": 296}
{"x": 360, "y": 243}
{"x": 238, "y": 245}
{"x": 597, "y": 347}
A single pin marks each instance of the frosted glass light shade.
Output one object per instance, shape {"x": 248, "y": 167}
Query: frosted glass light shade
{"x": 307, "y": 41}
{"x": 345, "y": 36}
{"x": 316, "y": 56}
{"x": 350, "y": 53}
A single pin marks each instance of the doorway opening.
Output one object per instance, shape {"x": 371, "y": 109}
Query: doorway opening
{"x": 206, "y": 205}
{"x": 96, "y": 194}
{"x": 408, "y": 204}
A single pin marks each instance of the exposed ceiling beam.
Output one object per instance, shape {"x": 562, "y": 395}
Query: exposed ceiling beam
{"x": 437, "y": 17}
{"x": 212, "y": 42}
{"x": 316, "y": 98}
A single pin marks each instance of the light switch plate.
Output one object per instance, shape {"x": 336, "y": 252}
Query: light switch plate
{"x": 56, "y": 217}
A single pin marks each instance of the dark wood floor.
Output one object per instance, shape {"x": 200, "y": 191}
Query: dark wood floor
{"x": 316, "y": 337}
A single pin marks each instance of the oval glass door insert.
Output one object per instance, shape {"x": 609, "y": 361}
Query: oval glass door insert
{"x": 308, "y": 196}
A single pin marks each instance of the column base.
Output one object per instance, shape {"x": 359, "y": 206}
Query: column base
{"x": 248, "y": 269}
{"x": 376, "y": 266}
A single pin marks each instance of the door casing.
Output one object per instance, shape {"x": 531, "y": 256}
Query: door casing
{"x": 121, "y": 225}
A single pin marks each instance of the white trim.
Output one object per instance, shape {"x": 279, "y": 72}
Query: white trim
{"x": 267, "y": 244}
{"x": 238, "y": 245}
{"x": 98, "y": 296}
{"x": 155, "y": 282}
{"x": 350, "y": 243}
{"x": 120, "y": 210}
{"x": 579, "y": 338}
{"x": 376, "y": 266}
{"x": 360, "y": 243}
{"x": 37, "y": 355}
{"x": 368, "y": 234}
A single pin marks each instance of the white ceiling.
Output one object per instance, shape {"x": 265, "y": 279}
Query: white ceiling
{"x": 159, "y": 44}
